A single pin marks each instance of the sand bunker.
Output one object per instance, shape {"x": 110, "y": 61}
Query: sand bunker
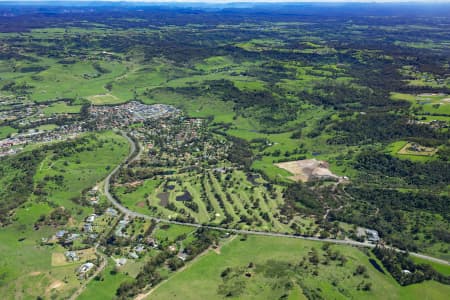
{"x": 307, "y": 170}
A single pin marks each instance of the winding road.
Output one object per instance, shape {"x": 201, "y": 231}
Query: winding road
{"x": 131, "y": 213}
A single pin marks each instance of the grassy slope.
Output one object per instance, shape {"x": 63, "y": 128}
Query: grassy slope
{"x": 6, "y": 130}
{"x": 27, "y": 266}
{"x": 106, "y": 288}
{"x": 61, "y": 108}
{"x": 93, "y": 166}
{"x": 201, "y": 280}
{"x": 444, "y": 269}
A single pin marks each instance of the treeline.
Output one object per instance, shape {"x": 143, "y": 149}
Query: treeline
{"x": 404, "y": 270}
{"x": 408, "y": 201}
{"x": 389, "y": 211}
{"x": 226, "y": 90}
{"x": 347, "y": 96}
{"x": 300, "y": 197}
{"x": 433, "y": 172}
{"x": 381, "y": 127}
{"x": 16, "y": 183}
{"x": 149, "y": 275}
{"x": 203, "y": 239}
{"x": 240, "y": 152}
{"x": 267, "y": 107}
{"x": 17, "y": 172}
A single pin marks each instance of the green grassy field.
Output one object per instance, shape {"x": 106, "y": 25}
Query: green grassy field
{"x": 25, "y": 265}
{"x": 106, "y": 286}
{"x": 267, "y": 280}
{"x": 307, "y": 79}
{"x": 83, "y": 168}
{"x": 441, "y": 268}
{"x": 6, "y": 130}
{"x": 47, "y": 127}
{"x": 171, "y": 232}
{"x": 61, "y": 108}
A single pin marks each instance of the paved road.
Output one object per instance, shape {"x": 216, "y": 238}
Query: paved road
{"x": 131, "y": 213}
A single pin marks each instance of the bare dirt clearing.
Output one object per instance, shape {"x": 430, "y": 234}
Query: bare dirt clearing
{"x": 57, "y": 284}
{"x": 307, "y": 170}
{"x": 35, "y": 273}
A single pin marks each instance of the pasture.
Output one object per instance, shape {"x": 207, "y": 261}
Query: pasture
{"x": 84, "y": 167}
{"x": 5, "y": 131}
{"x": 26, "y": 266}
{"x": 261, "y": 266}
{"x": 61, "y": 107}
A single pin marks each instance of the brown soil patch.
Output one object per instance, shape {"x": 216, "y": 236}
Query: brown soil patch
{"x": 54, "y": 286}
{"x": 71, "y": 222}
{"x": 307, "y": 169}
{"x": 140, "y": 204}
{"x": 217, "y": 250}
{"x": 129, "y": 184}
{"x": 35, "y": 273}
{"x": 134, "y": 183}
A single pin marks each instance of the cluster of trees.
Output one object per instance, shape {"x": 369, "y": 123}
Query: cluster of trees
{"x": 148, "y": 276}
{"x": 130, "y": 174}
{"x": 404, "y": 270}
{"x": 18, "y": 88}
{"x": 300, "y": 197}
{"x": 240, "y": 152}
{"x": 389, "y": 211}
{"x": 347, "y": 96}
{"x": 394, "y": 199}
{"x": 17, "y": 172}
{"x": 58, "y": 216}
{"x": 433, "y": 172}
{"x": 16, "y": 180}
{"x": 243, "y": 99}
{"x": 204, "y": 238}
{"x": 99, "y": 68}
{"x": 380, "y": 127}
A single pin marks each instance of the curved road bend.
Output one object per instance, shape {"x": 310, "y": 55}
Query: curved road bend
{"x": 131, "y": 213}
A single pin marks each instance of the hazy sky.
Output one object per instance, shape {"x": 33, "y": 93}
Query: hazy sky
{"x": 222, "y": 1}
{"x": 233, "y": 1}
